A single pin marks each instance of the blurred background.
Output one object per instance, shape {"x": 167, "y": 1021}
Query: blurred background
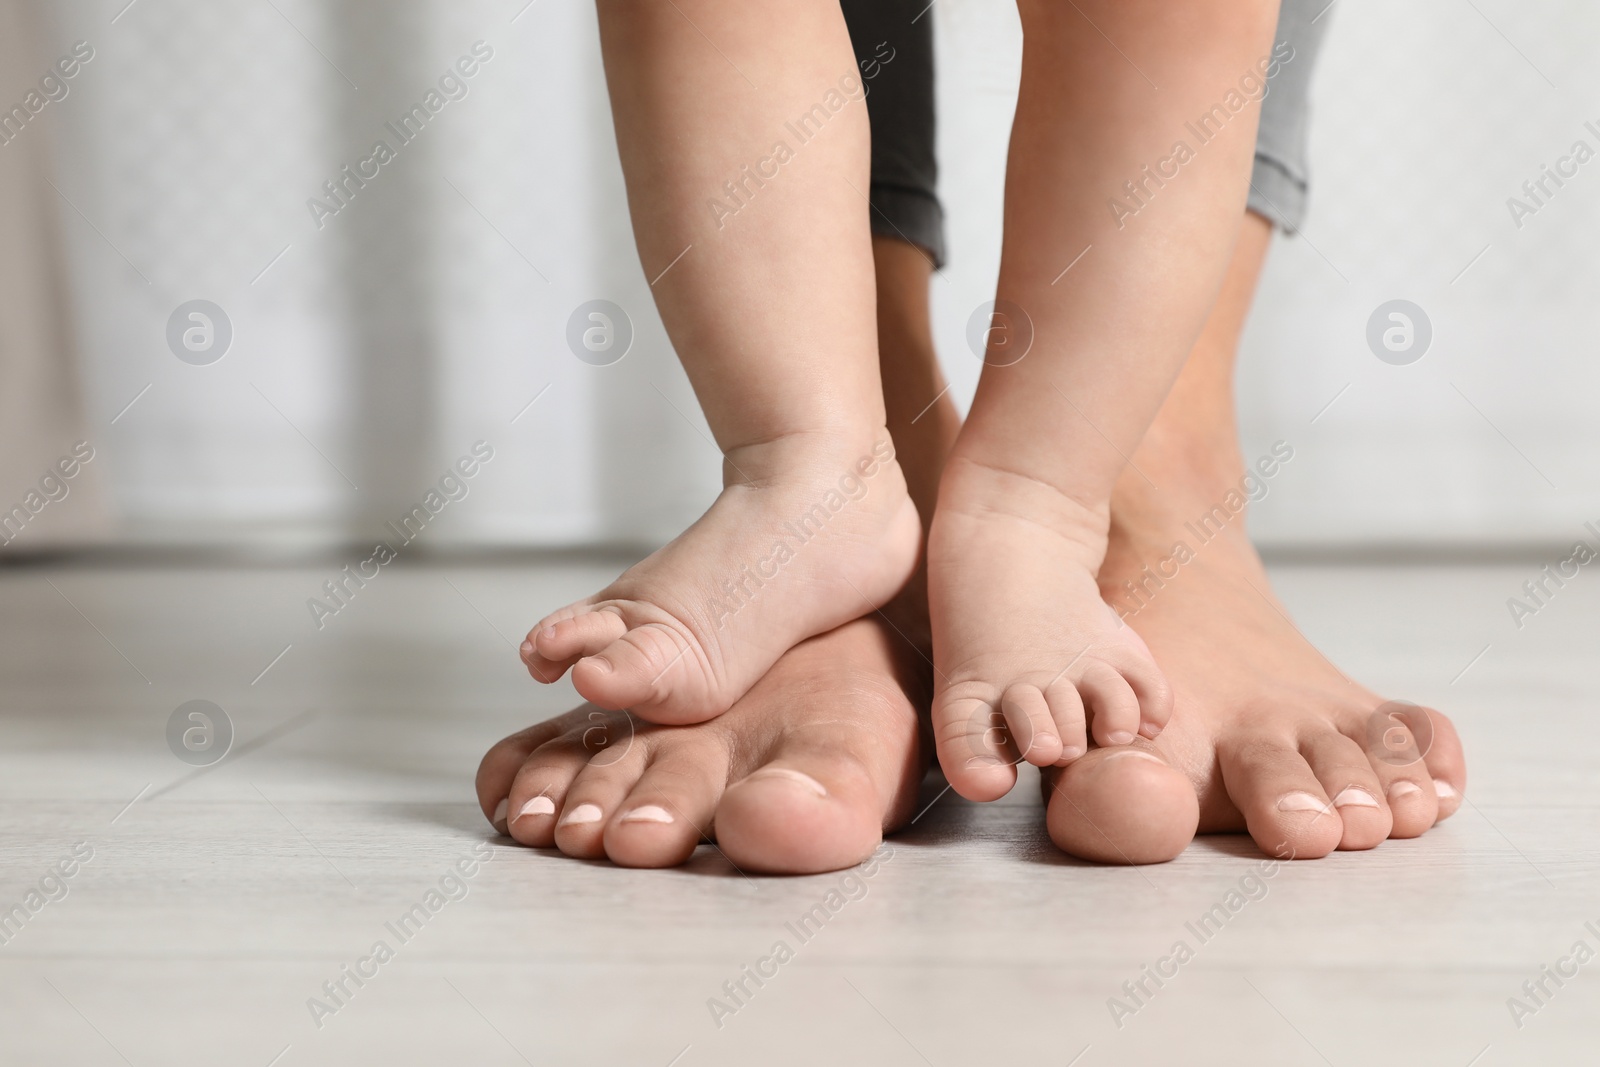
{"x": 346, "y": 360}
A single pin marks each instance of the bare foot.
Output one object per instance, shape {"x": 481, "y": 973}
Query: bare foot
{"x": 805, "y": 538}
{"x": 804, "y": 774}
{"x": 1267, "y": 735}
{"x": 1023, "y": 645}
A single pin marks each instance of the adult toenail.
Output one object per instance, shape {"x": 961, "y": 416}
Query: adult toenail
{"x": 539, "y": 805}
{"x": 1135, "y": 752}
{"x": 1445, "y": 790}
{"x": 793, "y": 776}
{"x": 1355, "y": 798}
{"x": 1119, "y": 737}
{"x": 583, "y": 813}
{"x": 648, "y": 813}
{"x": 1302, "y": 802}
{"x": 1403, "y": 789}
{"x": 499, "y": 819}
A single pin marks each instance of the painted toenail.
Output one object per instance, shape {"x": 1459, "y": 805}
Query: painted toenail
{"x": 1119, "y": 737}
{"x": 1302, "y": 802}
{"x": 1403, "y": 789}
{"x": 793, "y": 776}
{"x": 1355, "y": 798}
{"x": 539, "y": 805}
{"x": 499, "y": 819}
{"x": 1445, "y": 790}
{"x": 583, "y": 813}
{"x": 648, "y": 813}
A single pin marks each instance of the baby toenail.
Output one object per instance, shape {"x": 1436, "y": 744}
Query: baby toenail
{"x": 1355, "y": 798}
{"x": 539, "y": 805}
{"x": 1119, "y": 737}
{"x": 583, "y": 813}
{"x": 548, "y": 633}
{"x": 1302, "y": 802}
{"x": 1445, "y": 790}
{"x": 1403, "y": 789}
{"x": 527, "y": 647}
{"x": 794, "y": 776}
{"x": 648, "y": 813}
{"x": 1071, "y": 751}
{"x": 499, "y": 819}
{"x": 600, "y": 663}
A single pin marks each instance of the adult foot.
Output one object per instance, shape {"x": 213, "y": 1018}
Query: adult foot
{"x": 804, "y": 774}
{"x": 1266, "y": 735}
{"x": 1024, "y": 647}
{"x": 803, "y": 539}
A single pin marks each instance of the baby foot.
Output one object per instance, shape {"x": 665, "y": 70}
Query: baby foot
{"x": 1266, "y": 736}
{"x": 804, "y": 774}
{"x": 803, "y": 540}
{"x": 1030, "y": 662}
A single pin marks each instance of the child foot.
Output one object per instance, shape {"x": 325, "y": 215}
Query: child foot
{"x": 1266, "y": 735}
{"x": 804, "y": 774}
{"x": 1030, "y": 662}
{"x": 802, "y": 540}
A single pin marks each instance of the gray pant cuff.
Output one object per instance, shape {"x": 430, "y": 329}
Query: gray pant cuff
{"x": 911, "y": 215}
{"x": 1277, "y": 195}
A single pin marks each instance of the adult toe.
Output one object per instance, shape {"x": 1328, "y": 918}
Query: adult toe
{"x": 1121, "y": 805}
{"x": 1285, "y": 807}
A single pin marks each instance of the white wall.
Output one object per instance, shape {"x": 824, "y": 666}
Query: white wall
{"x": 1425, "y": 119}
{"x": 416, "y": 321}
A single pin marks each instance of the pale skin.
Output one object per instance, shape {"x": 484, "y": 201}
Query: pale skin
{"x": 820, "y": 752}
{"x": 1248, "y": 729}
{"x": 770, "y": 312}
{"x": 1024, "y": 506}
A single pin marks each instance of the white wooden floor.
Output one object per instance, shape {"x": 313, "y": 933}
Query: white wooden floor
{"x": 217, "y": 903}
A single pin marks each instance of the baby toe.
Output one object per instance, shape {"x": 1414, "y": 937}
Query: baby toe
{"x": 1033, "y": 728}
{"x": 974, "y": 745}
{"x": 566, "y": 640}
{"x": 1113, "y": 708}
{"x": 652, "y": 670}
{"x": 1066, "y": 708}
